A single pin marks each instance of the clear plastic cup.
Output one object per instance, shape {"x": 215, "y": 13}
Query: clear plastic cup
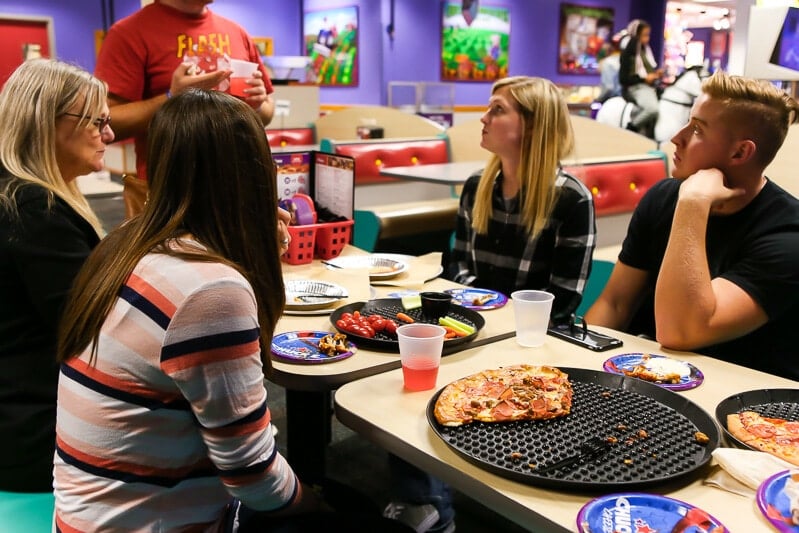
{"x": 242, "y": 71}
{"x": 532, "y": 309}
{"x": 420, "y": 353}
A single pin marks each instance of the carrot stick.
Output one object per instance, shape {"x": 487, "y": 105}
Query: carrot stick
{"x": 452, "y": 332}
{"x": 405, "y": 318}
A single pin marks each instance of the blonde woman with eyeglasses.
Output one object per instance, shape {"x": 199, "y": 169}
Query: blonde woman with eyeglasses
{"x": 55, "y": 125}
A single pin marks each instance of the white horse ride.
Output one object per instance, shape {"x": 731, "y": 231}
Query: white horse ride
{"x": 673, "y": 110}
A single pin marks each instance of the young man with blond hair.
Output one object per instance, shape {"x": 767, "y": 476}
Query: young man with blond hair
{"x": 711, "y": 258}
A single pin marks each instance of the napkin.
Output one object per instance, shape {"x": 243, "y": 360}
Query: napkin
{"x": 742, "y": 471}
{"x": 420, "y": 269}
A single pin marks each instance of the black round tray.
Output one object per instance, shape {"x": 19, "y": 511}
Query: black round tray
{"x": 601, "y": 403}
{"x": 774, "y": 403}
{"x": 389, "y": 307}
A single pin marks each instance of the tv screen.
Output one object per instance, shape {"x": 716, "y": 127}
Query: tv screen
{"x": 786, "y": 49}
{"x": 769, "y": 39}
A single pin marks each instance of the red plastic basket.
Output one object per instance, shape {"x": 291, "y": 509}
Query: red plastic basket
{"x": 331, "y": 237}
{"x": 301, "y": 246}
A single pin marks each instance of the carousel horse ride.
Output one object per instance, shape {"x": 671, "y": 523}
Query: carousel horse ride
{"x": 674, "y": 106}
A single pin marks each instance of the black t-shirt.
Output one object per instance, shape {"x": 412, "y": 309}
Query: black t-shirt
{"x": 41, "y": 251}
{"x": 756, "y": 248}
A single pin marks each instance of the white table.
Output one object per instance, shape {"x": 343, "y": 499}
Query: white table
{"x": 377, "y": 408}
{"x": 309, "y": 387}
{"x": 440, "y": 173}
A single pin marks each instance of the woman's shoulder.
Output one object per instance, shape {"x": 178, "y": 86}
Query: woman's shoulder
{"x": 186, "y": 274}
{"x": 571, "y": 186}
{"x": 29, "y": 202}
{"x": 471, "y": 183}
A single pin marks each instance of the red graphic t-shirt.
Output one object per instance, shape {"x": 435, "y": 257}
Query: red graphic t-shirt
{"x": 142, "y": 51}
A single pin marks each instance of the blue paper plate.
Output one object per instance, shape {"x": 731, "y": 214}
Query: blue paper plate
{"x": 487, "y": 299}
{"x": 303, "y": 347}
{"x": 775, "y": 503}
{"x": 635, "y": 511}
{"x": 691, "y": 377}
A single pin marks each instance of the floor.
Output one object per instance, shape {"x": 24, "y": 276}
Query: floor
{"x": 350, "y": 458}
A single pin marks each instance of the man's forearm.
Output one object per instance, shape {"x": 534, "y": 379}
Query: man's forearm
{"x": 684, "y": 298}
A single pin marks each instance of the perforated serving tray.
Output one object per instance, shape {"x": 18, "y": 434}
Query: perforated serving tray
{"x": 389, "y": 307}
{"x": 603, "y": 405}
{"x": 774, "y": 403}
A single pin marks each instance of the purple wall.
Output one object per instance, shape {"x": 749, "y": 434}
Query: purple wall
{"x": 533, "y": 45}
{"x": 413, "y": 55}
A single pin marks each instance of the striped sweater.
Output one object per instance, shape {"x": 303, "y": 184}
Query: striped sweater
{"x": 170, "y": 421}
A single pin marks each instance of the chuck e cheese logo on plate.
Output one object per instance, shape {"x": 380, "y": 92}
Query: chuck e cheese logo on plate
{"x": 644, "y": 513}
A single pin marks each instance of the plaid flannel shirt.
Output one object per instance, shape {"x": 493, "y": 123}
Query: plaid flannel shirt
{"x": 506, "y": 259}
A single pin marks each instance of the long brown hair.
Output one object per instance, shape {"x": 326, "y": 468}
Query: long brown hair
{"x": 211, "y": 178}
{"x": 547, "y": 137}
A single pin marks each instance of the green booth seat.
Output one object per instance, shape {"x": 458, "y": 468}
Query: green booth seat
{"x": 26, "y": 512}
{"x": 600, "y": 273}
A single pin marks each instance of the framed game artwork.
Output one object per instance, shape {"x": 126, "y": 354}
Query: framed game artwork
{"x": 474, "y": 41}
{"x": 330, "y": 38}
{"x": 583, "y": 31}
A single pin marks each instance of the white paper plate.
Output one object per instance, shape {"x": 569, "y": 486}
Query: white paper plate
{"x": 407, "y": 259}
{"x": 323, "y": 310}
{"x": 380, "y": 267}
{"x": 328, "y": 294}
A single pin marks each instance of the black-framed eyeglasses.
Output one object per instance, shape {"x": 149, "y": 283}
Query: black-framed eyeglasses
{"x": 100, "y": 123}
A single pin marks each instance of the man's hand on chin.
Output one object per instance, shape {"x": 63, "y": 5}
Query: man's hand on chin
{"x": 709, "y": 187}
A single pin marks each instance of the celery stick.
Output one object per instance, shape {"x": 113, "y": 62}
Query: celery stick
{"x": 456, "y": 324}
{"x": 411, "y": 302}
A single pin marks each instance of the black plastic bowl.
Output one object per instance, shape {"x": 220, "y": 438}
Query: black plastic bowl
{"x": 435, "y": 304}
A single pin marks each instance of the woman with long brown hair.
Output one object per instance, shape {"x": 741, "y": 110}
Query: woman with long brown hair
{"x": 162, "y": 415}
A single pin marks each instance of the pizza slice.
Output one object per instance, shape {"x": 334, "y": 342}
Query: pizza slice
{"x": 776, "y": 436}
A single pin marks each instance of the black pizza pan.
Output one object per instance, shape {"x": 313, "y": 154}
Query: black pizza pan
{"x": 774, "y": 403}
{"x": 604, "y": 405}
{"x": 389, "y": 307}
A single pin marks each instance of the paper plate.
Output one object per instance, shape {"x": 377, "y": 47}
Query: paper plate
{"x": 303, "y": 347}
{"x": 379, "y": 267}
{"x": 634, "y": 511}
{"x": 329, "y": 293}
{"x": 405, "y": 258}
{"x": 479, "y": 299}
{"x": 774, "y": 500}
{"x": 690, "y": 376}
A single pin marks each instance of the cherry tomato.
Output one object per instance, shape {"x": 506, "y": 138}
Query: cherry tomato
{"x": 346, "y": 316}
{"x": 390, "y": 327}
{"x": 379, "y": 324}
{"x": 341, "y": 324}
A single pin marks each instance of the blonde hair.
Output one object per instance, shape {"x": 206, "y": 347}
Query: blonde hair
{"x": 36, "y": 93}
{"x": 547, "y": 137}
{"x": 758, "y": 110}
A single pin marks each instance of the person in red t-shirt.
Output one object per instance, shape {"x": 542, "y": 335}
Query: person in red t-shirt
{"x": 164, "y": 49}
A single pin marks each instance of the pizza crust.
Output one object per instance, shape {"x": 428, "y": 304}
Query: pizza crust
{"x": 737, "y": 429}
